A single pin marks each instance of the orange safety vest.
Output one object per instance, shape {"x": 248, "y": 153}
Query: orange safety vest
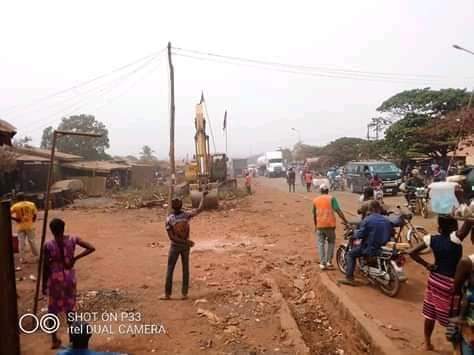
{"x": 325, "y": 217}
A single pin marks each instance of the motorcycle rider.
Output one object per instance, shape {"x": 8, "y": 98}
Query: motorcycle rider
{"x": 374, "y": 231}
{"x": 414, "y": 181}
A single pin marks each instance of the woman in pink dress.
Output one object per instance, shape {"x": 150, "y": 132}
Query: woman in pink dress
{"x": 59, "y": 278}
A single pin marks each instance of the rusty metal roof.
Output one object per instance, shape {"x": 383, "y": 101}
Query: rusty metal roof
{"x": 7, "y": 127}
{"x": 45, "y": 153}
{"x": 100, "y": 166}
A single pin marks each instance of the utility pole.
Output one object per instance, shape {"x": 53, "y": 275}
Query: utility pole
{"x": 172, "y": 112}
{"x": 8, "y": 297}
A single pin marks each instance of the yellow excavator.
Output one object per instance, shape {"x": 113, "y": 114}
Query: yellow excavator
{"x": 207, "y": 171}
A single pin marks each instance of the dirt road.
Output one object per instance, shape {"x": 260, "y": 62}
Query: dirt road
{"x": 232, "y": 308}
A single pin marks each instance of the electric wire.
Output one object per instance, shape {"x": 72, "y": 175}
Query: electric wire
{"x": 83, "y": 83}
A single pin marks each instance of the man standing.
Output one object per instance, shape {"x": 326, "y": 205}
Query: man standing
{"x": 24, "y": 213}
{"x": 374, "y": 231}
{"x": 177, "y": 226}
{"x": 324, "y": 209}
{"x": 291, "y": 179}
{"x": 248, "y": 183}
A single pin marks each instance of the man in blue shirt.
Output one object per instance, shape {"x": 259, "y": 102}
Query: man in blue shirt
{"x": 374, "y": 231}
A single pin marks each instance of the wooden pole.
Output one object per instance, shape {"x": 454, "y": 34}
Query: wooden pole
{"x": 10, "y": 343}
{"x": 172, "y": 114}
{"x": 56, "y": 135}
{"x": 45, "y": 222}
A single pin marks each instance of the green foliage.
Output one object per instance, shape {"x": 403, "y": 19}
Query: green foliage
{"x": 432, "y": 103}
{"x": 47, "y": 138}
{"x": 303, "y": 151}
{"x": 89, "y": 148}
{"x": 147, "y": 154}
{"x": 401, "y": 136}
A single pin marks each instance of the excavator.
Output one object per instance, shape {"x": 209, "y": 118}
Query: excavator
{"x": 207, "y": 172}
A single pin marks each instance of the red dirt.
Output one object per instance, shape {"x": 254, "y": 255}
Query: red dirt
{"x": 267, "y": 233}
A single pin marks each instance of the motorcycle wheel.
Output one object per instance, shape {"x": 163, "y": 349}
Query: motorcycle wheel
{"x": 341, "y": 259}
{"x": 392, "y": 288}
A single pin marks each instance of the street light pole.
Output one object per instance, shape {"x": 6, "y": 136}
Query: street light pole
{"x": 298, "y": 133}
{"x": 455, "y": 46}
{"x": 463, "y": 49}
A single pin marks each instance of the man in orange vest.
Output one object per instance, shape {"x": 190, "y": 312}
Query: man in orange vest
{"x": 324, "y": 209}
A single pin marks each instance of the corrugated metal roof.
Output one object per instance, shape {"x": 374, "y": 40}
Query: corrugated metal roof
{"x": 31, "y": 158}
{"x": 45, "y": 153}
{"x": 6, "y": 127}
{"x": 98, "y": 166}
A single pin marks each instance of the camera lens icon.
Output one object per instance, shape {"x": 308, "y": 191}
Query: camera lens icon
{"x": 30, "y": 323}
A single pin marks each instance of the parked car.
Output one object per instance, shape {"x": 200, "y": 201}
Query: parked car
{"x": 358, "y": 174}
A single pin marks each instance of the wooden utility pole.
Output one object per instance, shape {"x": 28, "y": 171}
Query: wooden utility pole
{"x": 8, "y": 298}
{"x": 49, "y": 182}
{"x": 172, "y": 111}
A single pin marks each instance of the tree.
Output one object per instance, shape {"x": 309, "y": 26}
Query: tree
{"x": 343, "y": 150}
{"x": 47, "y": 138}
{"x": 89, "y": 148}
{"x": 420, "y": 135}
{"x": 147, "y": 154}
{"x": 428, "y": 102}
{"x": 303, "y": 151}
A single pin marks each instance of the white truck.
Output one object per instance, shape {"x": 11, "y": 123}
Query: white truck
{"x": 271, "y": 164}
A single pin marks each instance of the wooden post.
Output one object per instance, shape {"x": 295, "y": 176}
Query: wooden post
{"x": 10, "y": 343}
{"x": 45, "y": 222}
{"x": 172, "y": 113}
{"x": 56, "y": 135}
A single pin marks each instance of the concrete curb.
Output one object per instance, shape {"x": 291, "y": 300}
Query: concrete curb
{"x": 288, "y": 323}
{"x": 349, "y": 311}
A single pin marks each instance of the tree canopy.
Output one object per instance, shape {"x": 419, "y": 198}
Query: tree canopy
{"x": 89, "y": 148}
{"x": 432, "y": 103}
{"x": 147, "y": 154}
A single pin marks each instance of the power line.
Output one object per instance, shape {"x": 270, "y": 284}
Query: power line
{"x": 84, "y": 83}
{"x": 310, "y": 74}
{"x": 314, "y": 71}
{"x": 83, "y": 101}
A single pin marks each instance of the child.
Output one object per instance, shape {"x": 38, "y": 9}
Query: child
{"x": 248, "y": 183}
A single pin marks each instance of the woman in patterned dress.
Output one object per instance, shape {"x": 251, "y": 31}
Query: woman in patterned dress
{"x": 59, "y": 278}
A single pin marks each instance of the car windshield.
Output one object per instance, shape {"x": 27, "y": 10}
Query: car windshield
{"x": 384, "y": 168}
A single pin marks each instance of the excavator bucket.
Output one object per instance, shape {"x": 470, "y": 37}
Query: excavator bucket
{"x": 211, "y": 200}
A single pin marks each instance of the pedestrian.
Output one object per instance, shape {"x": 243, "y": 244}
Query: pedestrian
{"x": 438, "y": 173}
{"x": 178, "y": 229}
{"x": 308, "y": 179}
{"x": 464, "y": 286}
{"x": 291, "y": 180}
{"x": 447, "y": 249}
{"x": 59, "y": 277}
{"x": 248, "y": 183}
{"x": 24, "y": 213}
{"x": 324, "y": 209}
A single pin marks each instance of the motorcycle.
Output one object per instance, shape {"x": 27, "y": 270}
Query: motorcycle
{"x": 418, "y": 198}
{"x": 337, "y": 183}
{"x": 384, "y": 270}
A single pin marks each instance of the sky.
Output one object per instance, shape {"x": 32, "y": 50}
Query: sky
{"x": 48, "y": 46}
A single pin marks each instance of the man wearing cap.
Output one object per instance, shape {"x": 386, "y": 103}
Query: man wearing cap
{"x": 177, "y": 226}
{"x": 325, "y": 208}
{"x": 24, "y": 213}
